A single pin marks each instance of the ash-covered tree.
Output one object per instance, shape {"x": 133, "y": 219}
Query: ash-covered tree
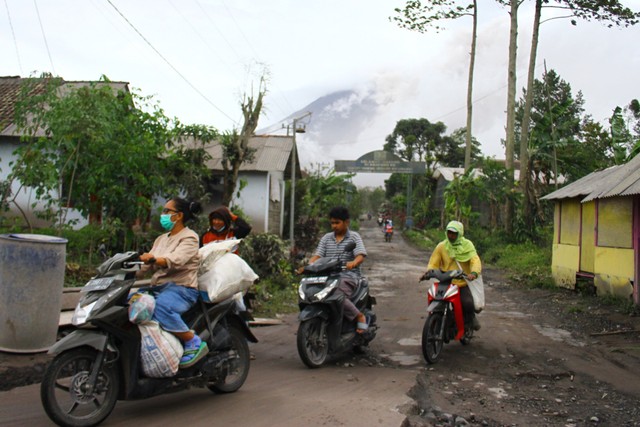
{"x": 235, "y": 145}
{"x": 422, "y": 16}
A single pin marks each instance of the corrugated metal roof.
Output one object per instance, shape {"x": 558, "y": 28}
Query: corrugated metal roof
{"x": 272, "y": 154}
{"x": 625, "y": 181}
{"x": 621, "y": 180}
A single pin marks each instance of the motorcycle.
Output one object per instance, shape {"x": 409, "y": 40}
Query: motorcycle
{"x": 99, "y": 362}
{"x": 445, "y": 320}
{"x": 322, "y": 331}
{"x": 388, "y": 233}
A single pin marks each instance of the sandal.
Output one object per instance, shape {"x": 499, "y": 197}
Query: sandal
{"x": 361, "y": 327}
{"x": 362, "y": 324}
{"x": 194, "y": 350}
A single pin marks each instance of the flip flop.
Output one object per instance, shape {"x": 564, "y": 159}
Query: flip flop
{"x": 196, "y": 353}
{"x": 361, "y": 327}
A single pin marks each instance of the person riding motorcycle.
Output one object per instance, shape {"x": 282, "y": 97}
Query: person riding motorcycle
{"x": 174, "y": 261}
{"x": 455, "y": 247}
{"x": 332, "y": 245}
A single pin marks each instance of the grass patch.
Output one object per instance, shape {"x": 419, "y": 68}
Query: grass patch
{"x": 527, "y": 263}
{"x": 272, "y": 299}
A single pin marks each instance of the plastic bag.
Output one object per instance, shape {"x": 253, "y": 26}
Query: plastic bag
{"x": 477, "y": 292}
{"x": 229, "y": 275}
{"x": 212, "y": 252}
{"x": 141, "y": 307}
{"x": 160, "y": 351}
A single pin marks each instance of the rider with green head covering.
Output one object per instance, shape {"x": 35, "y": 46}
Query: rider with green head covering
{"x": 455, "y": 247}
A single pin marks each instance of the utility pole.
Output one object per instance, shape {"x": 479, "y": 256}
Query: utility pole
{"x": 294, "y": 154}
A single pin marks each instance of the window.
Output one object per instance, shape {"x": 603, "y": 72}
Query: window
{"x": 570, "y": 222}
{"x": 615, "y": 222}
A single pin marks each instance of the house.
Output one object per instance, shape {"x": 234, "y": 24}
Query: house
{"x": 24, "y": 200}
{"x": 597, "y": 230}
{"x": 261, "y": 197}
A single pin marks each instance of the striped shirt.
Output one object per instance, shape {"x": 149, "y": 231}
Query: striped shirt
{"x": 329, "y": 247}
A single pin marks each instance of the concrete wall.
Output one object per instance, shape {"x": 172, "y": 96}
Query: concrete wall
{"x": 25, "y": 197}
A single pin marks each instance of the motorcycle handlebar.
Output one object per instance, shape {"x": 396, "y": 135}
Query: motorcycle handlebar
{"x": 437, "y": 274}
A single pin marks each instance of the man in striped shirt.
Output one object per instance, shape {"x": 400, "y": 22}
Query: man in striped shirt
{"x": 332, "y": 245}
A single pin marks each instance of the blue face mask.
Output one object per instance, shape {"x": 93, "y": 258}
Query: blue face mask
{"x": 166, "y": 223}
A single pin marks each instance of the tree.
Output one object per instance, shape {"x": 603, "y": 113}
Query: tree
{"x": 492, "y": 186}
{"x": 511, "y": 103}
{"x": 92, "y": 148}
{"x": 418, "y": 17}
{"x": 416, "y": 140}
{"x": 625, "y": 132}
{"x": 611, "y": 12}
{"x": 91, "y": 135}
{"x": 457, "y": 198}
{"x": 556, "y": 138}
{"x": 235, "y": 146}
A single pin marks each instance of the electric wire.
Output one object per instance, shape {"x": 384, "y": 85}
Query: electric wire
{"x": 46, "y": 44}
{"x": 280, "y": 92}
{"x": 13, "y": 34}
{"x": 182, "y": 76}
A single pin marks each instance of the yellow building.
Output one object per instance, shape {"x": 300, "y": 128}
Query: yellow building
{"x": 597, "y": 230}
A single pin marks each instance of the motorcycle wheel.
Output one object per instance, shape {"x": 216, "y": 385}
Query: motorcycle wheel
{"x": 313, "y": 347}
{"x": 63, "y": 389}
{"x": 431, "y": 341}
{"x": 238, "y": 367}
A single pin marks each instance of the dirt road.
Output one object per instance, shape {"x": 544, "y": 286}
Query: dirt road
{"x": 542, "y": 357}
{"x": 533, "y": 363}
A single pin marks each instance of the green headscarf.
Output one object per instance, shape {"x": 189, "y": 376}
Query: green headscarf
{"x": 461, "y": 249}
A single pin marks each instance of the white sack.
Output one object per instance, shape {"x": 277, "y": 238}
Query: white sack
{"x": 160, "y": 351}
{"x": 229, "y": 275}
{"x": 211, "y": 252}
{"x": 477, "y": 292}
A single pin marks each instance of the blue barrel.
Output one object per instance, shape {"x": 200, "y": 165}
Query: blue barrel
{"x": 31, "y": 281}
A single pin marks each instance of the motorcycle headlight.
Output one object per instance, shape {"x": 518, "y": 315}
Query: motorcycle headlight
{"x": 326, "y": 291}
{"x": 301, "y": 292}
{"x": 83, "y": 312}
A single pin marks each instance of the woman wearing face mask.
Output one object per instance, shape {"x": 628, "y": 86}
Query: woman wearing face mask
{"x": 225, "y": 225}
{"x": 456, "y": 250}
{"x": 174, "y": 261}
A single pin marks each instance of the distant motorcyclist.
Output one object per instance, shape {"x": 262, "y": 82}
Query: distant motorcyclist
{"x": 455, "y": 247}
{"x": 332, "y": 245}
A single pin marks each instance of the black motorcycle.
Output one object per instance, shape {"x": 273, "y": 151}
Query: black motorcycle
{"x": 322, "y": 330}
{"x": 99, "y": 362}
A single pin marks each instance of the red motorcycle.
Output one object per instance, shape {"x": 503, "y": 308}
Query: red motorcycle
{"x": 445, "y": 320}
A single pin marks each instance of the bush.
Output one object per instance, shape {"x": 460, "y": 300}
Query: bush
{"x": 267, "y": 255}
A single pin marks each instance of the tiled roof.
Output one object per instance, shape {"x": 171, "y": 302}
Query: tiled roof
{"x": 10, "y": 87}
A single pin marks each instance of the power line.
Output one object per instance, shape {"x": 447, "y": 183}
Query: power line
{"x": 280, "y": 92}
{"x": 44, "y": 37}
{"x": 170, "y": 64}
{"x": 15, "y": 42}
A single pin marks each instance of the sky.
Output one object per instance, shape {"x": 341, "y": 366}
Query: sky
{"x": 199, "y": 57}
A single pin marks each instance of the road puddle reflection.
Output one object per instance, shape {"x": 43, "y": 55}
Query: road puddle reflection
{"x": 560, "y": 335}
{"x": 404, "y": 359}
